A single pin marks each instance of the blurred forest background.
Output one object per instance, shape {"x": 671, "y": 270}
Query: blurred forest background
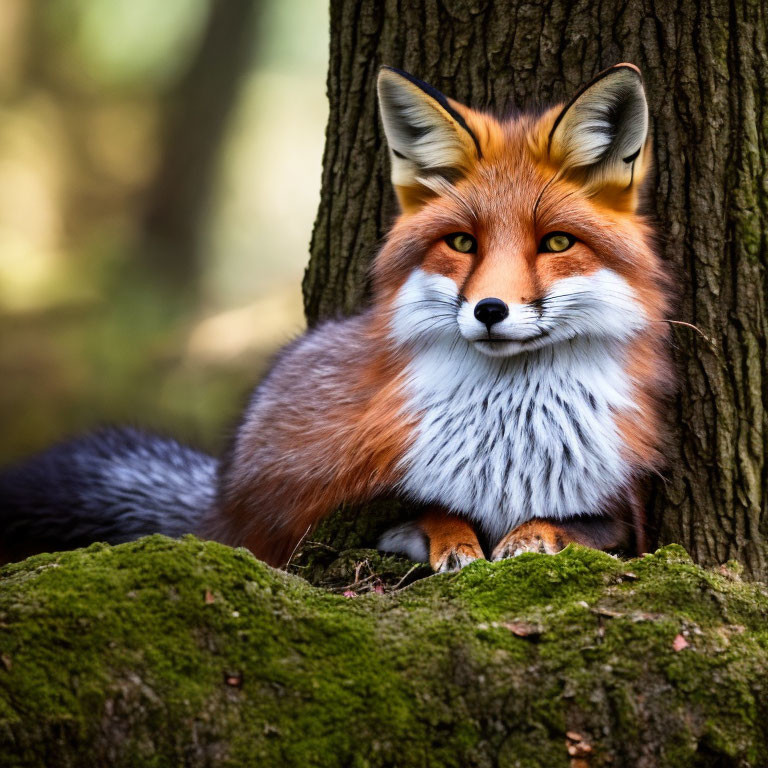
{"x": 159, "y": 175}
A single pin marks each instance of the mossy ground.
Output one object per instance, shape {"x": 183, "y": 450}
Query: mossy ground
{"x": 165, "y": 653}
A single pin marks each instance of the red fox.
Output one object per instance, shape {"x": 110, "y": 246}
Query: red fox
{"x": 509, "y": 373}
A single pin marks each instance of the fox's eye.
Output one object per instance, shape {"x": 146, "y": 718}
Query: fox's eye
{"x": 555, "y": 242}
{"x": 462, "y": 242}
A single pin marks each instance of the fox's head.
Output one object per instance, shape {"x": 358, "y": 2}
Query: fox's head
{"x": 523, "y": 233}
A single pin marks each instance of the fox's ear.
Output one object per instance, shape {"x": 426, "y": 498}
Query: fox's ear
{"x": 601, "y": 133}
{"x": 427, "y": 135}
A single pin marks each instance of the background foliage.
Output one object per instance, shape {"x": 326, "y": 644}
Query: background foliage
{"x": 124, "y": 297}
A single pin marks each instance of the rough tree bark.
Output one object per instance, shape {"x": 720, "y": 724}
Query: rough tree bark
{"x": 705, "y": 69}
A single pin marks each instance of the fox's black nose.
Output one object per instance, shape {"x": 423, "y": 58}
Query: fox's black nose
{"x": 491, "y": 311}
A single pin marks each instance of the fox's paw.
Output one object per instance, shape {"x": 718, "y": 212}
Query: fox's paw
{"x": 533, "y": 536}
{"x": 445, "y": 541}
{"x": 455, "y": 557}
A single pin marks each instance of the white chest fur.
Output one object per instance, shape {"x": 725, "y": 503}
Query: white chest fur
{"x": 506, "y": 440}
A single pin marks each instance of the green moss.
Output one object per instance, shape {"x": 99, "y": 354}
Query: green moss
{"x": 166, "y": 652}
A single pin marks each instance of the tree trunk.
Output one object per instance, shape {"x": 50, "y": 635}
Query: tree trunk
{"x": 704, "y": 64}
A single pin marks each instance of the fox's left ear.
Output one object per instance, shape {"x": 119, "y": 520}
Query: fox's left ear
{"x": 426, "y": 133}
{"x": 600, "y": 135}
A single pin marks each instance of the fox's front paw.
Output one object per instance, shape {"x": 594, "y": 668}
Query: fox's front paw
{"x": 448, "y": 542}
{"x": 533, "y": 536}
{"x": 455, "y": 557}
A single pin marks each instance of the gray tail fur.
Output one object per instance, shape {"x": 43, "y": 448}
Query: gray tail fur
{"x": 113, "y": 485}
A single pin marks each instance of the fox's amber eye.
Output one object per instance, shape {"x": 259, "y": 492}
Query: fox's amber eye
{"x": 555, "y": 242}
{"x": 462, "y": 242}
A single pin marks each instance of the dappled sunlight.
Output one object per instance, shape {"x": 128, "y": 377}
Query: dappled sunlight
{"x": 258, "y": 328}
{"x": 32, "y": 176}
{"x": 121, "y": 141}
{"x": 95, "y": 327}
{"x": 269, "y": 187}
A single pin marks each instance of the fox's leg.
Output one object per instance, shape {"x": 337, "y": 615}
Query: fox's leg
{"x": 452, "y": 540}
{"x": 448, "y": 541}
{"x": 550, "y": 536}
{"x": 270, "y": 522}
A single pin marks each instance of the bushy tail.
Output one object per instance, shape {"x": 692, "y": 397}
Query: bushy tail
{"x": 113, "y": 485}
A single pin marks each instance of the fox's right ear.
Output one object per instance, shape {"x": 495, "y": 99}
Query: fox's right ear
{"x": 600, "y": 135}
{"x": 427, "y": 136}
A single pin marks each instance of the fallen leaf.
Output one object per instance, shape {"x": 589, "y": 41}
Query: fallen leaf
{"x": 209, "y": 598}
{"x": 522, "y": 628}
{"x": 641, "y": 616}
{"x": 629, "y": 576}
{"x": 679, "y": 643}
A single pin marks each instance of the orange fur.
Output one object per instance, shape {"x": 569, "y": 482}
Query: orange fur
{"x": 452, "y": 540}
{"x": 347, "y": 449}
{"x": 500, "y": 191}
{"x": 405, "y": 397}
{"x": 534, "y": 536}
{"x": 508, "y": 197}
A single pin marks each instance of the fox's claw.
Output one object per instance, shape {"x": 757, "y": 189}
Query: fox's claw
{"x": 454, "y": 558}
{"x": 447, "y": 541}
{"x": 534, "y": 536}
